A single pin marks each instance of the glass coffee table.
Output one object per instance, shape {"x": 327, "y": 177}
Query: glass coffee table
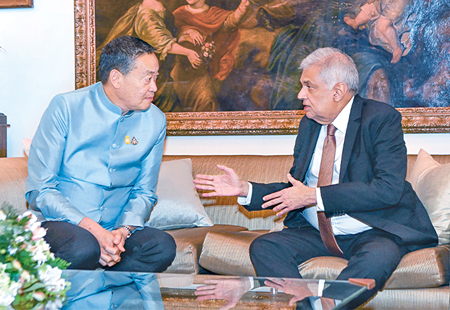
{"x": 101, "y": 289}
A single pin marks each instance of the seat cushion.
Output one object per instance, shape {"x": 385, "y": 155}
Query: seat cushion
{"x": 411, "y": 299}
{"x": 228, "y": 253}
{"x": 419, "y": 269}
{"x": 189, "y": 246}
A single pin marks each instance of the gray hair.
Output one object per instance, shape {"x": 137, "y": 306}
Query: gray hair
{"x": 335, "y": 67}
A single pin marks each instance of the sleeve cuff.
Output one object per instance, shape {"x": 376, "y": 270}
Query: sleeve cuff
{"x": 320, "y": 206}
{"x": 245, "y": 201}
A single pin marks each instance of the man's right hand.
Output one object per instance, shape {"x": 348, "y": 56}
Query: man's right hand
{"x": 228, "y": 184}
{"x": 110, "y": 253}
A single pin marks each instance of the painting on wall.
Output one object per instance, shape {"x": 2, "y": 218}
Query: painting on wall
{"x": 231, "y": 66}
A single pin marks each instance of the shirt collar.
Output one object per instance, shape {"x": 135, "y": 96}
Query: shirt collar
{"x": 341, "y": 121}
{"x": 105, "y": 100}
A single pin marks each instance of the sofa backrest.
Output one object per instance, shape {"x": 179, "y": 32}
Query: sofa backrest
{"x": 223, "y": 210}
{"x": 258, "y": 168}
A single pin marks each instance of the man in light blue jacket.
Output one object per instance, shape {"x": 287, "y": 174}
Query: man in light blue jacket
{"x": 94, "y": 164}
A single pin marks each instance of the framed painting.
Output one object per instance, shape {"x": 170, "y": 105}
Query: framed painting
{"x": 248, "y": 79}
{"x": 16, "y": 3}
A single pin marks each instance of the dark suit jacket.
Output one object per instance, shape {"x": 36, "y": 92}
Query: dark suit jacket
{"x": 372, "y": 185}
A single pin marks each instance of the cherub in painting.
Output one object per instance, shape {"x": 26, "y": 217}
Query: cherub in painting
{"x": 200, "y": 25}
{"x": 386, "y": 19}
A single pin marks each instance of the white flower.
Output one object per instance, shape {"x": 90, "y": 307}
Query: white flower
{"x": 16, "y": 264}
{"x": 38, "y": 232}
{"x": 54, "y": 305}
{"x": 12, "y": 250}
{"x": 19, "y": 239}
{"x": 2, "y": 216}
{"x": 8, "y": 288}
{"x": 51, "y": 277}
{"x": 40, "y": 251}
{"x": 25, "y": 276}
{"x": 25, "y": 214}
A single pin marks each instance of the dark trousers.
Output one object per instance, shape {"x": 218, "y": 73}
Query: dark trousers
{"x": 147, "y": 250}
{"x": 373, "y": 254}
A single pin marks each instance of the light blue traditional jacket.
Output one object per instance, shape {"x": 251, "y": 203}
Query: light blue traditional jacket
{"x": 87, "y": 159}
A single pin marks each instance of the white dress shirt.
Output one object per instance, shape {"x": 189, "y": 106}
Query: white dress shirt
{"x": 343, "y": 224}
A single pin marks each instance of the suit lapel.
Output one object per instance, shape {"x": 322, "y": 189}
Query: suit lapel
{"x": 354, "y": 123}
{"x": 310, "y": 137}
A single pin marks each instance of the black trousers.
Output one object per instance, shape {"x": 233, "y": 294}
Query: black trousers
{"x": 147, "y": 250}
{"x": 373, "y": 254}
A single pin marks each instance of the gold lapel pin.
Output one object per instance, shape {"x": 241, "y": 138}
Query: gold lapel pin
{"x": 127, "y": 140}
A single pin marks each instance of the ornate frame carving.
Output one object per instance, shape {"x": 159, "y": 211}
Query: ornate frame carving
{"x": 415, "y": 120}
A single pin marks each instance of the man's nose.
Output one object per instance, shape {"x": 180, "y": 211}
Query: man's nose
{"x": 301, "y": 94}
{"x": 153, "y": 87}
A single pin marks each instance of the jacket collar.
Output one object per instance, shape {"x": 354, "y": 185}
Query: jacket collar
{"x": 354, "y": 124}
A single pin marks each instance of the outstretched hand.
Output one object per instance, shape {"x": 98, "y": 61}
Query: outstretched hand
{"x": 229, "y": 289}
{"x": 228, "y": 184}
{"x": 295, "y": 197}
{"x": 298, "y": 289}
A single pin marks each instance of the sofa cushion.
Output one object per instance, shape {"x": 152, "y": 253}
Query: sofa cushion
{"x": 178, "y": 205}
{"x": 423, "y": 268}
{"x": 189, "y": 246}
{"x": 431, "y": 181}
{"x": 411, "y": 299}
{"x": 228, "y": 253}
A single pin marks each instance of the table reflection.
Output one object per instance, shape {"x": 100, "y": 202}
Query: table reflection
{"x": 112, "y": 290}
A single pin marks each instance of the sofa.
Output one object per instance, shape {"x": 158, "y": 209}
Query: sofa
{"x": 213, "y": 235}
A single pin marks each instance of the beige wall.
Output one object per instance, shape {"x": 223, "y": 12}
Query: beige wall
{"x": 39, "y": 63}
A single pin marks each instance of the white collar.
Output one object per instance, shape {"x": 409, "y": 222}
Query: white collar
{"x": 341, "y": 121}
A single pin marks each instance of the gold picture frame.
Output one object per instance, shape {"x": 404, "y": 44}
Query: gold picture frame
{"x": 415, "y": 120}
{"x": 7, "y": 4}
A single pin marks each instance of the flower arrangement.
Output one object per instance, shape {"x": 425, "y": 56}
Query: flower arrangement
{"x": 30, "y": 275}
{"x": 207, "y": 51}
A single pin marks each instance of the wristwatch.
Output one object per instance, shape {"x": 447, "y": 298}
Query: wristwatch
{"x": 128, "y": 229}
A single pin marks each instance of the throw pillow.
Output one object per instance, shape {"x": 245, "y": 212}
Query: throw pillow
{"x": 178, "y": 203}
{"x": 431, "y": 181}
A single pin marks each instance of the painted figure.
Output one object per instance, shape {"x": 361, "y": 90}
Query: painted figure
{"x": 199, "y": 24}
{"x": 147, "y": 21}
{"x": 387, "y": 25}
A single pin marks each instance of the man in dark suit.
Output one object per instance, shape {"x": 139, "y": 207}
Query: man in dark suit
{"x": 374, "y": 214}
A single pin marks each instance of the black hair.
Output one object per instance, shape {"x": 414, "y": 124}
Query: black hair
{"x": 121, "y": 54}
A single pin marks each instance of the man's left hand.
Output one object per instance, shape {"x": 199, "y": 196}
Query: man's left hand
{"x": 296, "y": 197}
{"x": 120, "y": 236}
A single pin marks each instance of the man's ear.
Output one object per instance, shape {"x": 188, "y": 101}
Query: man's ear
{"x": 340, "y": 89}
{"x": 115, "y": 77}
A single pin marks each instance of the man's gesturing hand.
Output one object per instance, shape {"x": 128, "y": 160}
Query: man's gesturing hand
{"x": 291, "y": 198}
{"x": 228, "y": 184}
